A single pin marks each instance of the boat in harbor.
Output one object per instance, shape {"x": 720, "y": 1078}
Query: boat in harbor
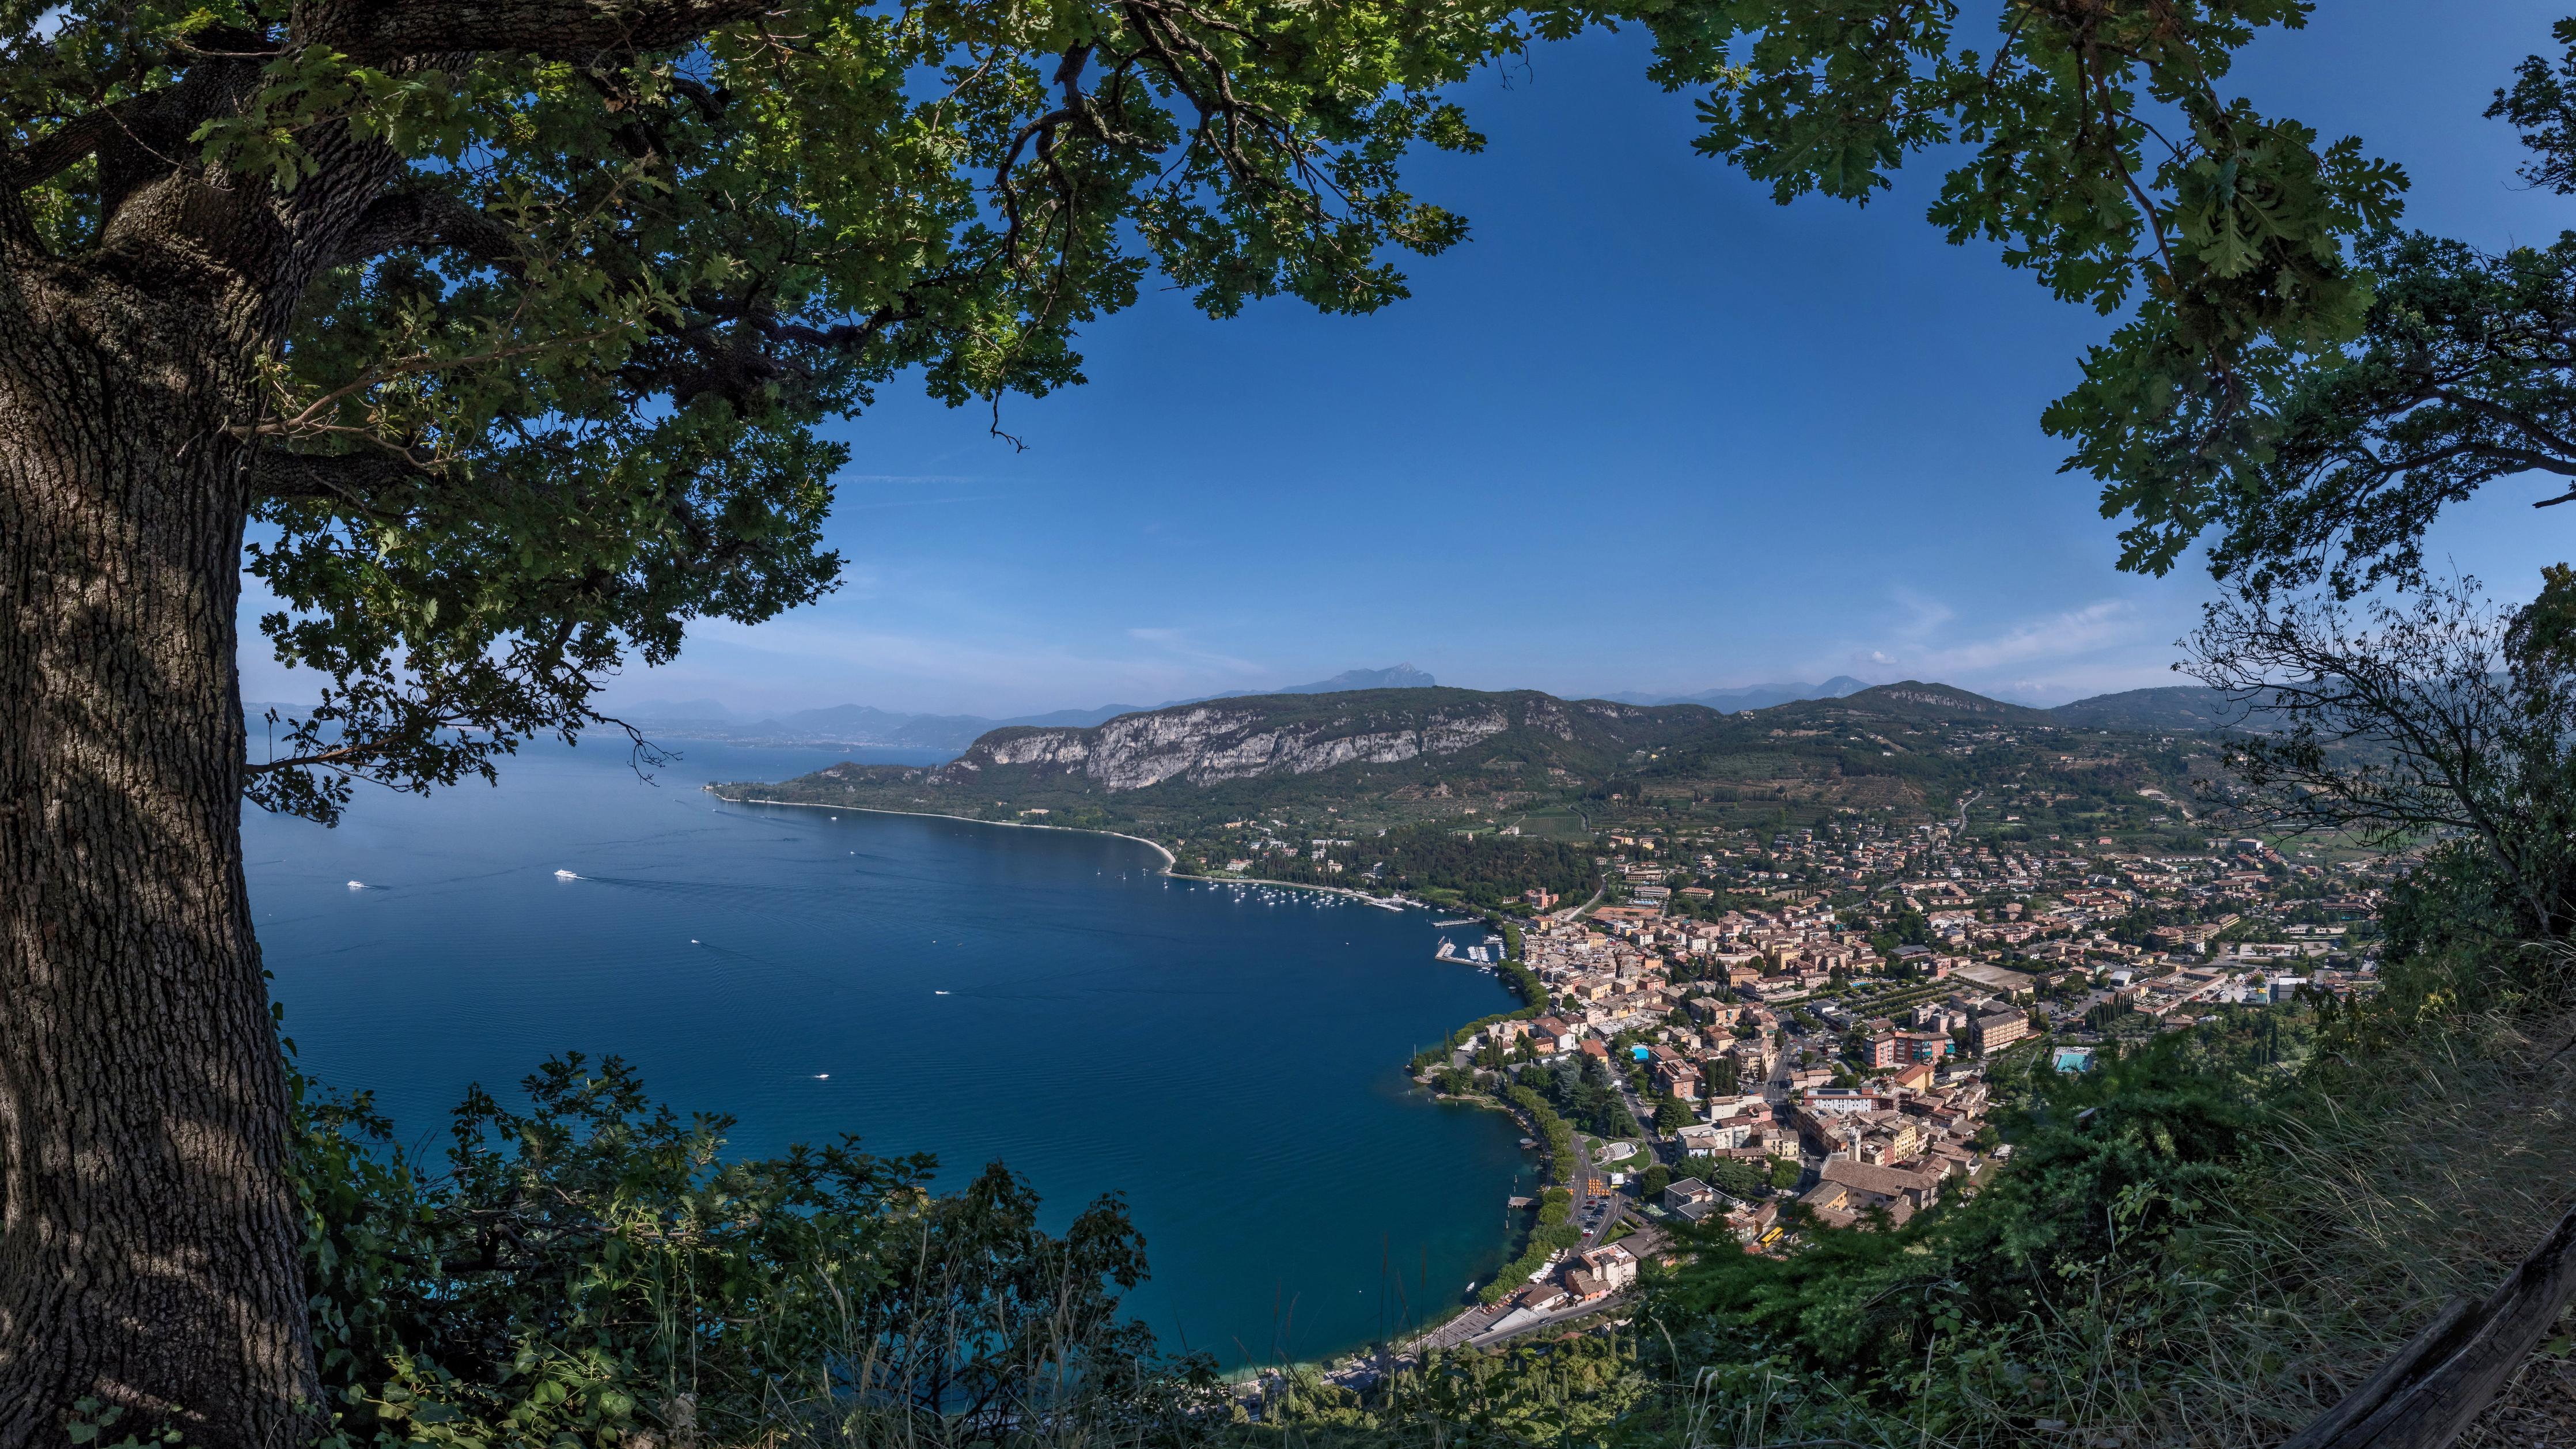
{"x": 1461, "y": 921}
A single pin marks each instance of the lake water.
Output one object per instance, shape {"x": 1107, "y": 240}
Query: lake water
{"x": 1229, "y": 1058}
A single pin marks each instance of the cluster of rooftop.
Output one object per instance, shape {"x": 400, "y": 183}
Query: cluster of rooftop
{"x": 1812, "y": 1018}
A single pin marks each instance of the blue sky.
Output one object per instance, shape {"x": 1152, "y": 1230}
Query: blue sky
{"x": 1644, "y": 431}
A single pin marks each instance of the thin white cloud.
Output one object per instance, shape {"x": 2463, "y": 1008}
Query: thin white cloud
{"x": 1177, "y": 643}
{"x": 2105, "y": 645}
{"x": 1924, "y": 616}
{"x": 2056, "y": 637}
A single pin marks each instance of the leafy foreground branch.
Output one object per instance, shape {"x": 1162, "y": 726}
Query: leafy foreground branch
{"x": 591, "y": 1270}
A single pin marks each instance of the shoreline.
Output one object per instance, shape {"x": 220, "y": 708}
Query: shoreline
{"x": 1247, "y": 1373}
{"x": 1393, "y": 903}
{"x": 1169, "y": 859}
{"x": 1397, "y": 904}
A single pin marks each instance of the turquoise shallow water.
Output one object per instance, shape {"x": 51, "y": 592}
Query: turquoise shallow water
{"x": 1230, "y": 1058}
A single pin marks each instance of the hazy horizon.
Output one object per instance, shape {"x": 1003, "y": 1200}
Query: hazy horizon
{"x": 642, "y": 707}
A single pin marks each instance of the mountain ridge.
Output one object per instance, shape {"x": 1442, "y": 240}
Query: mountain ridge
{"x": 1246, "y": 736}
{"x": 867, "y": 725}
{"x": 1207, "y": 778}
{"x": 2156, "y": 709}
{"x": 1750, "y": 696}
{"x": 2164, "y": 707}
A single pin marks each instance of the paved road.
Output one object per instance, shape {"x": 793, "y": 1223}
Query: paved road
{"x": 1775, "y": 1088}
{"x": 1960, "y": 822}
{"x": 1584, "y": 1172}
{"x": 1459, "y": 1329}
{"x": 1636, "y": 1107}
{"x": 1553, "y": 1320}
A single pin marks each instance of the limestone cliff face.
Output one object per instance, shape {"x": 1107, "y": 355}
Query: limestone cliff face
{"x": 1232, "y": 740}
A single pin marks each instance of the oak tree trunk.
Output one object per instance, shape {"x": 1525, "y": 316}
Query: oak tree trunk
{"x": 149, "y": 1227}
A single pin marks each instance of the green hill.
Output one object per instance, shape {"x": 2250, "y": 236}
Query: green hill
{"x": 1371, "y": 757}
{"x": 2172, "y": 708}
{"x": 1326, "y": 766}
{"x": 1915, "y": 700}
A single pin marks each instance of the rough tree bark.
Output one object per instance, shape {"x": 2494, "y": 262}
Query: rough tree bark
{"x": 149, "y": 1229}
{"x": 150, "y": 1232}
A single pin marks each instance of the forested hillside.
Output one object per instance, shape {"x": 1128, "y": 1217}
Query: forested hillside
{"x": 1199, "y": 777}
{"x": 1484, "y": 868}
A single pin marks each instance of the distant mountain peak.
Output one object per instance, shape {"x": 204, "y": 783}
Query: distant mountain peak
{"x": 1915, "y": 695}
{"x": 1399, "y": 676}
{"x": 1750, "y": 696}
{"x": 1944, "y": 696}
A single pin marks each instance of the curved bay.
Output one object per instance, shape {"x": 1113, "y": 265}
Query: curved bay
{"x": 1229, "y": 1059}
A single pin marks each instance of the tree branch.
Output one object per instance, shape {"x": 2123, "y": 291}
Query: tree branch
{"x": 371, "y": 30}
{"x": 419, "y": 219}
{"x": 339, "y": 757}
{"x": 358, "y": 479}
{"x": 2513, "y": 418}
{"x": 61, "y": 148}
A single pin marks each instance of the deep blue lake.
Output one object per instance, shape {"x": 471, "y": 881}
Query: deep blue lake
{"x": 1228, "y": 1057}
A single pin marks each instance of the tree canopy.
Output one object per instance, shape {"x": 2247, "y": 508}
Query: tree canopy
{"x": 2460, "y": 374}
{"x": 607, "y": 269}
{"x": 598, "y": 277}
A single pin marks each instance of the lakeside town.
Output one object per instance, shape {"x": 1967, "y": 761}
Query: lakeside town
{"x": 1781, "y": 973}
{"x": 1753, "y": 1038}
